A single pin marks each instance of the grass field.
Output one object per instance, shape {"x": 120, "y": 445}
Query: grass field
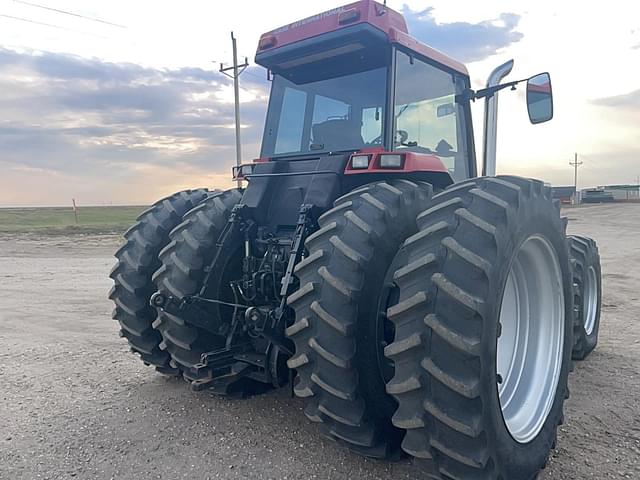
{"x": 60, "y": 220}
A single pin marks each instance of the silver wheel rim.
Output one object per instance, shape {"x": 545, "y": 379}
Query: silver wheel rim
{"x": 590, "y": 300}
{"x": 530, "y": 342}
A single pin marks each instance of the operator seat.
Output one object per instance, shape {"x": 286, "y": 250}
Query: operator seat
{"x": 337, "y": 134}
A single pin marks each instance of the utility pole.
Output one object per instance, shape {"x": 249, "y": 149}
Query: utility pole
{"x": 237, "y": 70}
{"x": 575, "y": 164}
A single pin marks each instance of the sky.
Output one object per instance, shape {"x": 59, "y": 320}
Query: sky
{"x": 129, "y": 107}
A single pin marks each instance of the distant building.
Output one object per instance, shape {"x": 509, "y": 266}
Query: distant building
{"x": 596, "y": 195}
{"x": 564, "y": 194}
{"x": 611, "y": 193}
{"x": 624, "y": 192}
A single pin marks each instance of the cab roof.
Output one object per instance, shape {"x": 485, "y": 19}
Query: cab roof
{"x": 387, "y": 21}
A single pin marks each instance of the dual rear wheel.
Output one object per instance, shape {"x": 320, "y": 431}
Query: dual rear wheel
{"x": 137, "y": 260}
{"x": 481, "y": 335}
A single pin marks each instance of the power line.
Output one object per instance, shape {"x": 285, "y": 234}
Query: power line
{"x": 51, "y": 25}
{"x": 35, "y": 22}
{"x": 65, "y": 12}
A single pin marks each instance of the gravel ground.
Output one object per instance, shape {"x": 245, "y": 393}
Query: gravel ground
{"x": 76, "y": 404}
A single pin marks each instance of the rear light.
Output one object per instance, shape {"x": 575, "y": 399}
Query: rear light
{"x": 349, "y": 16}
{"x": 390, "y": 160}
{"x": 267, "y": 42}
{"x": 360, "y": 162}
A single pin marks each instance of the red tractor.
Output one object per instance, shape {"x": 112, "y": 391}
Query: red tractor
{"x": 414, "y": 305}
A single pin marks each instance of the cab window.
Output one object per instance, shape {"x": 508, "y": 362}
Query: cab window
{"x": 429, "y": 114}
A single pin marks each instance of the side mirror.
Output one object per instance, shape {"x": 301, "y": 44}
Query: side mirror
{"x": 539, "y": 98}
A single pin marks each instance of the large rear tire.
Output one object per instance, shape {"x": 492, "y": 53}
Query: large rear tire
{"x": 185, "y": 261}
{"x": 587, "y": 277}
{"x": 483, "y": 331}
{"x": 339, "y": 307}
{"x": 137, "y": 260}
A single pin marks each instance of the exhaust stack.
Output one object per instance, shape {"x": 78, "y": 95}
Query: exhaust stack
{"x": 491, "y": 120}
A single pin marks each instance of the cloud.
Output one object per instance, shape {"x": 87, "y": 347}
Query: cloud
{"x": 627, "y": 101}
{"x": 88, "y": 119}
{"x": 467, "y": 42}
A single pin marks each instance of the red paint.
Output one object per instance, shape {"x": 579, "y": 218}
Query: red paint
{"x": 543, "y": 88}
{"x": 413, "y": 162}
{"x": 389, "y": 21}
{"x": 329, "y": 21}
{"x": 406, "y": 40}
{"x": 261, "y": 160}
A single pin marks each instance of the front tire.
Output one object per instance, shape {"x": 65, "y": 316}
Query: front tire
{"x": 483, "y": 339}
{"x": 587, "y": 277}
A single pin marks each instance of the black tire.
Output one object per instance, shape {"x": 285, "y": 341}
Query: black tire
{"x": 184, "y": 262}
{"x": 335, "y": 332}
{"x": 588, "y": 296}
{"x": 447, "y": 324}
{"x": 137, "y": 260}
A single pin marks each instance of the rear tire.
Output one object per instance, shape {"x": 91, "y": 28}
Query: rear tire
{"x": 184, "y": 263}
{"x": 137, "y": 260}
{"x": 336, "y": 334}
{"x": 491, "y": 254}
{"x": 587, "y": 278}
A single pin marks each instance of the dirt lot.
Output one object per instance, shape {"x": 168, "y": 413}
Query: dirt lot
{"x": 75, "y": 403}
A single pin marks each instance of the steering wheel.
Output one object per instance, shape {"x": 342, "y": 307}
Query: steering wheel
{"x": 404, "y": 136}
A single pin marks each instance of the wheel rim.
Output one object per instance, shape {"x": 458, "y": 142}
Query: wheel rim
{"x": 590, "y": 300}
{"x": 530, "y": 339}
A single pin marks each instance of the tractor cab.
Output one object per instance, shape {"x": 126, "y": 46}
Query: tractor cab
{"x": 351, "y": 82}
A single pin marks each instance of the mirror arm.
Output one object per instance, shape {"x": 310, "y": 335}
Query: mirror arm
{"x": 490, "y": 91}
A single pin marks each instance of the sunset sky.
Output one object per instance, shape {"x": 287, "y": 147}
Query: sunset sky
{"x": 131, "y": 110}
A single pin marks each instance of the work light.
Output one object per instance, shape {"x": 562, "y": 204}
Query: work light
{"x": 390, "y": 160}
{"x": 360, "y": 162}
